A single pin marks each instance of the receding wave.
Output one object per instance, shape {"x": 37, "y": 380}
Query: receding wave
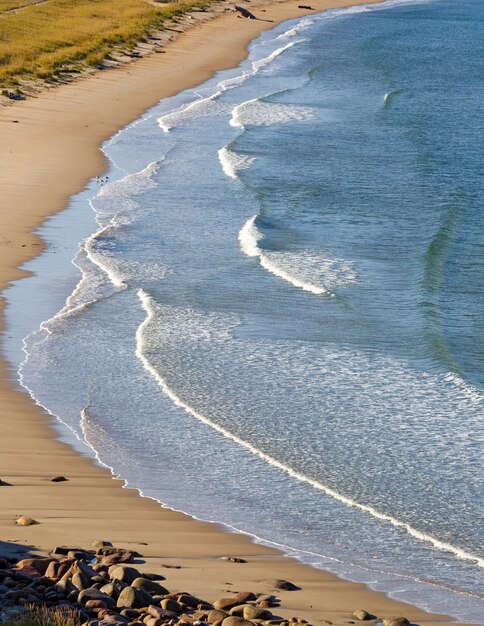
{"x": 150, "y": 308}
{"x": 306, "y": 270}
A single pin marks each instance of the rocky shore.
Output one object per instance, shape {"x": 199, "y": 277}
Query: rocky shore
{"x": 101, "y": 587}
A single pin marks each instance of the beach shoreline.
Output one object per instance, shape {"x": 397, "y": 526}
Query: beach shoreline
{"x": 54, "y": 140}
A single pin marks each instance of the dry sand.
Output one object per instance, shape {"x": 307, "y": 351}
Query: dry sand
{"x": 49, "y": 150}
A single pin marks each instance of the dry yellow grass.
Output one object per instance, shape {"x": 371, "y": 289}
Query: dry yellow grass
{"x": 51, "y": 39}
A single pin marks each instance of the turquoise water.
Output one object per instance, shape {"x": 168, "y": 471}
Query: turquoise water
{"x": 276, "y": 322}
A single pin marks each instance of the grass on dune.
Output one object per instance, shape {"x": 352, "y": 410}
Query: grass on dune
{"x": 50, "y": 39}
{"x": 42, "y": 616}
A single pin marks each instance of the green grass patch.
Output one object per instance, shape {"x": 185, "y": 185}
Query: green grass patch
{"x": 43, "y": 41}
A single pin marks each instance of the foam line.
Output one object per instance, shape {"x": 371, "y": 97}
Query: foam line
{"x": 149, "y": 307}
{"x": 232, "y": 162}
{"x": 249, "y": 237}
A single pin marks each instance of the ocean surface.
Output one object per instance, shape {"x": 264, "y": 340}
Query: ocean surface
{"x": 274, "y": 317}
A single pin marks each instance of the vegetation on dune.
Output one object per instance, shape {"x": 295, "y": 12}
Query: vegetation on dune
{"x": 43, "y": 616}
{"x": 54, "y": 38}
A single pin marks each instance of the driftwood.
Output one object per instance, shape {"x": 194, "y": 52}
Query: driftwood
{"x": 305, "y": 6}
{"x": 244, "y": 12}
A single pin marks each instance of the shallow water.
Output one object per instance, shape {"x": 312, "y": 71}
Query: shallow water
{"x": 280, "y": 309}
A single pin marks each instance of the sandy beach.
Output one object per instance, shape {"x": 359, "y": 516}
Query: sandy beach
{"x": 50, "y": 150}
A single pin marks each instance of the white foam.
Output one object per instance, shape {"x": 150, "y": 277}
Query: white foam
{"x": 205, "y": 107}
{"x": 208, "y": 106}
{"x": 295, "y": 30}
{"x": 306, "y": 270}
{"x": 471, "y": 392}
{"x": 150, "y": 308}
{"x": 256, "y": 112}
{"x": 233, "y": 162}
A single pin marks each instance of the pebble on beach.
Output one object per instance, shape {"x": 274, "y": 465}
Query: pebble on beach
{"x": 26, "y": 521}
{"x": 77, "y": 580}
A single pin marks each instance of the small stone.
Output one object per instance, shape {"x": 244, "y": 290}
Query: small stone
{"x": 283, "y": 584}
{"x": 395, "y": 621}
{"x": 26, "y": 521}
{"x": 171, "y": 605}
{"x": 100, "y": 543}
{"x": 57, "y": 569}
{"x": 158, "y": 612}
{"x": 41, "y": 564}
{"x": 245, "y": 596}
{"x": 95, "y": 594}
{"x": 233, "y": 620}
{"x": 234, "y": 559}
{"x": 113, "y": 589}
{"x": 225, "y": 604}
{"x": 59, "y": 479}
{"x": 124, "y": 573}
{"x": 255, "y": 612}
{"x": 154, "y": 621}
{"x": 189, "y": 600}
{"x": 118, "y": 557}
{"x": 131, "y": 614}
{"x": 80, "y": 581}
{"x": 237, "y": 610}
{"x": 150, "y": 576}
{"x": 131, "y": 598}
{"x": 361, "y": 614}
{"x": 96, "y": 604}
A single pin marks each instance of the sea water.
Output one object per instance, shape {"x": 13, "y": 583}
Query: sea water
{"x": 275, "y": 319}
